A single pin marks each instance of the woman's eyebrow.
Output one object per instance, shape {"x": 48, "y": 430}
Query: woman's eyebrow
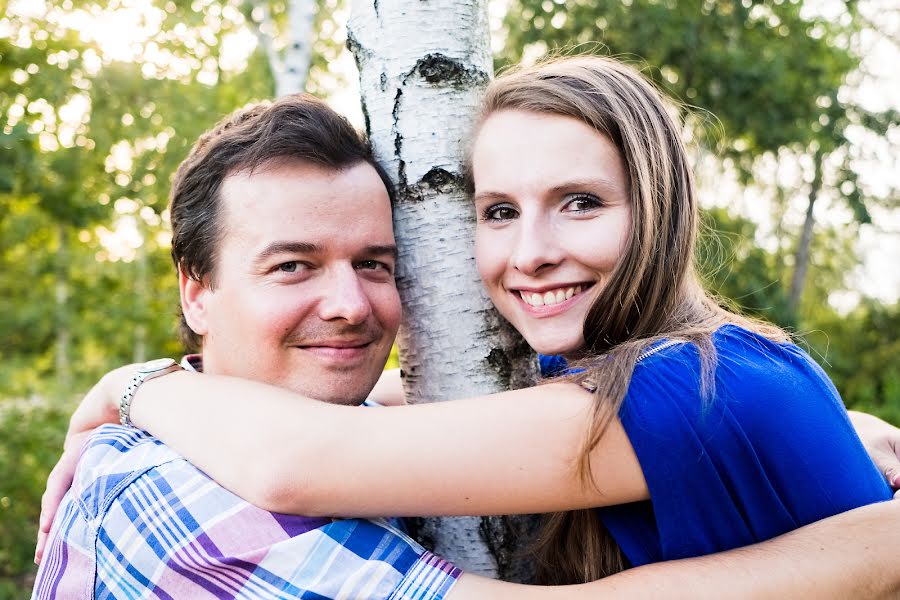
{"x": 589, "y": 182}
{"x": 483, "y": 196}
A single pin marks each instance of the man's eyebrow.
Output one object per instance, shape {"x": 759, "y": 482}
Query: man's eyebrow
{"x": 276, "y": 248}
{"x": 381, "y": 250}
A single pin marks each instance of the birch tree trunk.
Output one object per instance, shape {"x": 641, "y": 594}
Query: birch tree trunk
{"x": 801, "y": 257}
{"x": 423, "y": 67}
{"x": 290, "y": 69}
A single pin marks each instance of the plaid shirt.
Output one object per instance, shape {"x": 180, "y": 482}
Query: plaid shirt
{"x": 140, "y": 521}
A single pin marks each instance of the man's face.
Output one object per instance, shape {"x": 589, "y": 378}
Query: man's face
{"x": 303, "y": 295}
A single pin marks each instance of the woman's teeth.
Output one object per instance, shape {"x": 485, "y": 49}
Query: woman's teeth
{"x": 550, "y": 296}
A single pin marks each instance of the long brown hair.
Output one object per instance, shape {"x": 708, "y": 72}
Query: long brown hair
{"x": 653, "y": 293}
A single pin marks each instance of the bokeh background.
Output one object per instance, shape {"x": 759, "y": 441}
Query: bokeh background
{"x": 791, "y": 108}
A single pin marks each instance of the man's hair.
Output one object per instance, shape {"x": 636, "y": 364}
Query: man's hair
{"x": 298, "y": 127}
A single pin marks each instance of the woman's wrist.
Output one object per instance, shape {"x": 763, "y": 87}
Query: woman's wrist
{"x": 113, "y": 386}
{"x": 149, "y": 396}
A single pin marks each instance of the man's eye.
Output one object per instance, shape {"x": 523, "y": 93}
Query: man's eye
{"x": 499, "y": 212}
{"x": 582, "y": 203}
{"x": 373, "y": 265}
{"x": 289, "y": 267}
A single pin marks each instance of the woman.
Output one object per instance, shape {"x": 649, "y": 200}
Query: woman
{"x": 586, "y": 228}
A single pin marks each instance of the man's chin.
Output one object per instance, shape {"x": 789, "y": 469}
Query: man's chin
{"x": 334, "y": 388}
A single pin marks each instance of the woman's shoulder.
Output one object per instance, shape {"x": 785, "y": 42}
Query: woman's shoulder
{"x": 741, "y": 350}
{"x": 753, "y": 373}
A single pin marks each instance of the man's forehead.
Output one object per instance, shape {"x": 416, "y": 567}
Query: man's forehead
{"x": 303, "y": 202}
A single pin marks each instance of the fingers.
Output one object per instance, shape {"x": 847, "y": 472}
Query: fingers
{"x": 58, "y": 483}
{"x": 892, "y": 474}
{"x": 101, "y": 404}
{"x": 39, "y": 549}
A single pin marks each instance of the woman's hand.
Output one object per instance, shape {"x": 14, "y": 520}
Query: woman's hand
{"x": 882, "y": 442}
{"x": 99, "y": 406}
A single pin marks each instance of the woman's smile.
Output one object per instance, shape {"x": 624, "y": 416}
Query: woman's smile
{"x": 554, "y": 216}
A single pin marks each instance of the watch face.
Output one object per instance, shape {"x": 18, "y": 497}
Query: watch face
{"x": 156, "y": 365}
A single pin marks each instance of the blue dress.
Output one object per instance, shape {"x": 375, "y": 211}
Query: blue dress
{"x": 771, "y": 451}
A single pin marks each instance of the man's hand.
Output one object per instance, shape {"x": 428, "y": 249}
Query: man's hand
{"x": 882, "y": 442}
{"x": 99, "y": 406}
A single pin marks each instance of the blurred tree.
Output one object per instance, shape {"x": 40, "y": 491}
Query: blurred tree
{"x": 863, "y": 362}
{"x": 99, "y": 102}
{"x": 771, "y": 73}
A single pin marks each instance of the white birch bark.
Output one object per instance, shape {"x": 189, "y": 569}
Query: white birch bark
{"x": 298, "y": 52}
{"x": 423, "y": 67}
{"x": 291, "y": 69}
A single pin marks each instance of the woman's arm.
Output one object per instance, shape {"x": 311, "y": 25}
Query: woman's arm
{"x": 501, "y": 454}
{"x": 852, "y": 555}
{"x": 514, "y": 452}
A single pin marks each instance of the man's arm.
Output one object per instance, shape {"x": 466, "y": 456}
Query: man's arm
{"x": 853, "y": 555}
{"x": 882, "y": 443}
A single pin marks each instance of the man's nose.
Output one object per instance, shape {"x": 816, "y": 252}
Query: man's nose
{"x": 536, "y": 247}
{"x": 344, "y": 297}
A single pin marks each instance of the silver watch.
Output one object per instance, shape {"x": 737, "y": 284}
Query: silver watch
{"x": 147, "y": 371}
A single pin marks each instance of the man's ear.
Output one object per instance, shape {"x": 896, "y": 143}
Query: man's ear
{"x": 194, "y": 295}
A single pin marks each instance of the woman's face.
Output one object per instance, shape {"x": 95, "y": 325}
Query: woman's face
{"x": 554, "y": 216}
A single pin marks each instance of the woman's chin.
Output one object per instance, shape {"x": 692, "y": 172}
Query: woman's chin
{"x": 565, "y": 348}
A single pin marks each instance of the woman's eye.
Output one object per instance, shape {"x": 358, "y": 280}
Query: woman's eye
{"x": 583, "y": 203}
{"x": 499, "y": 212}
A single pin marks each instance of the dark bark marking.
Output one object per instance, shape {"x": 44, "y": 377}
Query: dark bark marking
{"x": 358, "y": 51}
{"x": 440, "y": 180}
{"x": 402, "y": 187}
{"x": 419, "y": 530}
{"x": 506, "y": 537}
{"x": 499, "y": 362}
{"x": 441, "y": 70}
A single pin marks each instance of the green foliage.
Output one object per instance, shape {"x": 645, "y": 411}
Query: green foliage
{"x": 862, "y": 356}
{"x": 862, "y": 361}
{"x": 32, "y": 435}
{"x": 88, "y": 146}
{"x": 89, "y": 143}
{"x": 759, "y": 66}
{"x": 736, "y": 269}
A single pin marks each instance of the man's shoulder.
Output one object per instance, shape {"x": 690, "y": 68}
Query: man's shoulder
{"x": 111, "y": 459}
{"x": 164, "y": 523}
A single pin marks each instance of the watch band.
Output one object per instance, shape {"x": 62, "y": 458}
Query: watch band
{"x": 146, "y": 372}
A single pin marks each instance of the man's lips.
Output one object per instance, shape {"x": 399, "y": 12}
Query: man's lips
{"x": 338, "y": 350}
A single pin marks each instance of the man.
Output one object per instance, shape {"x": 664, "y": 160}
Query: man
{"x": 283, "y": 241}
